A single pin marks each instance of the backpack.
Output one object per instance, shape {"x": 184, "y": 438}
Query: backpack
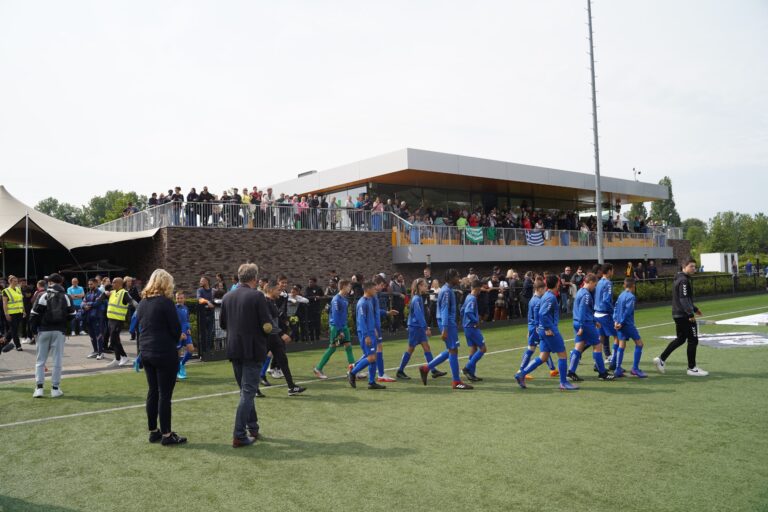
{"x": 56, "y": 308}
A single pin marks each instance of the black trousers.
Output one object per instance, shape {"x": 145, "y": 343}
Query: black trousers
{"x": 314, "y": 323}
{"x": 13, "y": 328}
{"x": 115, "y": 326}
{"x": 685, "y": 331}
{"x": 161, "y": 379}
{"x": 280, "y": 359}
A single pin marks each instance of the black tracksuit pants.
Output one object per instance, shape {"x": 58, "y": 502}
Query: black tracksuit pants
{"x": 280, "y": 359}
{"x": 685, "y": 331}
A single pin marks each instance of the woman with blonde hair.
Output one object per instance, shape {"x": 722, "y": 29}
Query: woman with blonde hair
{"x": 160, "y": 334}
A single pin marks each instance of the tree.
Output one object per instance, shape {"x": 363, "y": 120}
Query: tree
{"x": 62, "y": 211}
{"x": 637, "y": 210}
{"x": 110, "y": 206}
{"x": 664, "y": 210}
{"x": 723, "y": 232}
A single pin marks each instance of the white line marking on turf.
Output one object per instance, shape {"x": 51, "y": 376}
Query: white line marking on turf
{"x": 237, "y": 392}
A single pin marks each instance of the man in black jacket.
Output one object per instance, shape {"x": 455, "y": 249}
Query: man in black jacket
{"x": 51, "y": 315}
{"x": 314, "y": 294}
{"x": 684, "y": 313}
{"x": 246, "y": 318}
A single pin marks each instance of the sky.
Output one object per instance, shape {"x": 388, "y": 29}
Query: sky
{"x": 146, "y": 95}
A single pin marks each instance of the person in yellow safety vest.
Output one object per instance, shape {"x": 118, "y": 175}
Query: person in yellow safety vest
{"x": 117, "y": 314}
{"x": 13, "y": 309}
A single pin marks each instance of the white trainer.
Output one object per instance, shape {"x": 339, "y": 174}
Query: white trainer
{"x": 697, "y": 372}
{"x": 113, "y": 363}
{"x": 126, "y": 361}
{"x": 277, "y": 373}
{"x": 362, "y": 375}
{"x": 55, "y": 393}
{"x": 659, "y": 364}
{"x": 92, "y": 355}
{"x": 319, "y": 374}
{"x": 38, "y": 393}
{"x": 26, "y": 341}
{"x": 100, "y": 357}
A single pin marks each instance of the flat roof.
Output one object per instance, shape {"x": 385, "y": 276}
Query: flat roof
{"x": 417, "y": 167}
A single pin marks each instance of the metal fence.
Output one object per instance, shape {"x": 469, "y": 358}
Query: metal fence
{"x": 251, "y": 216}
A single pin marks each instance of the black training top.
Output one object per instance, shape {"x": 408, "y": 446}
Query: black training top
{"x": 159, "y": 327}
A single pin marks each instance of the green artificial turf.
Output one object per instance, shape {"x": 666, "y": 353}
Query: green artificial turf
{"x": 669, "y": 442}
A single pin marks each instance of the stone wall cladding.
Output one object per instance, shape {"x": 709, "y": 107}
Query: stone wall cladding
{"x": 190, "y": 253}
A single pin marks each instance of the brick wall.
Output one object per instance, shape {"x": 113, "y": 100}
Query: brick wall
{"x": 189, "y": 253}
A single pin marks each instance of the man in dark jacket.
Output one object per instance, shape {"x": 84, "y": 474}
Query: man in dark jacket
{"x": 246, "y": 318}
{"x": 51, "y": 314}
{"x": 684, "y": 313}
{"x": 314, "y": 294}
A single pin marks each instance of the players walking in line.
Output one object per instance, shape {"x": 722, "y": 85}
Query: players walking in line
{"x": 604, "y": 313}
{"x": 418, "y": 330}
{"x": 446, "y": 303}
{"x": 470, "y": 320}
{"x": 539, "y": 287}
{"x": 586, "y": 331}
{"x": 339, "y": 331}
{"x": 684, "y": 313}
{"x": 551, "y": 341}
{"x": 624, "y": 322}
{"x": 366, "y": 333}
{"x": 185, "y": 343}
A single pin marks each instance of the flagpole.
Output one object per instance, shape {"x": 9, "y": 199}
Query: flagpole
{"x": 598, "y": 192}
{"x": 26, "y": 246}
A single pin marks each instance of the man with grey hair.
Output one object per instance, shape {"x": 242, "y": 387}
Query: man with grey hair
{"x": 246, "y": 318}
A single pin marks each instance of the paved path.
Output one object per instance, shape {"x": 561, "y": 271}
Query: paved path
{"x": 20, "y": 366}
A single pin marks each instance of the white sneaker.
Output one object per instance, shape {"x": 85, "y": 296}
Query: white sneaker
{"x": 113, "y": 363}
{"x": 55, "y": 393}
{"x": 697, "y": 372}
{"x": 659, "y": 364}
{"x": 26, "y": 341}
{"x": 100, "y": 357}
{"x": 92, "y": 355}
{"x": 320, "y": 375}
{"x": 126, "y": 361}
{"x": 38, "y": 393}
{"x": 362, "y": 375}
{"x": 277, "y": 373}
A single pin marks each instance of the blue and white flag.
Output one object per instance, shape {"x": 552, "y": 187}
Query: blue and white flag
{"x": 534, "y": 238}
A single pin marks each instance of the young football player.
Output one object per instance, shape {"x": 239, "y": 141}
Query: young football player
{"x": 470, "y": 319}
{"x": 624, "y": 322}
{"x": 418, "y": 330}
{"x": 585, "y": 327}
{"x": 337, "y": 321}
{"x": 366, "y": 333}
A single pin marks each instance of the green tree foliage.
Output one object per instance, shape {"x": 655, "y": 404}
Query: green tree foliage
{"x": 664, "y": 210}
{"x": 736, "y": 232}
{"x": 110, "y": 206}
{"x": 637, "y": 210}
{"x": 62, "y": 211}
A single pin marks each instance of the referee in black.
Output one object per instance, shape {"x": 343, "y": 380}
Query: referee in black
{"x": 684, "y": 313}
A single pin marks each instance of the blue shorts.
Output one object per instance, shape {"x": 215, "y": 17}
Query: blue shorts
{"x": 606, "y": 326}
{"x": 553, "y": 344}
{"x": 474, "y": 337}
{"x": 590, "y": 335}
{"x": 533, "y": 337}
{"x": 416, "y": 336}
{"x": 452, "y": 341}
{"x": 628, "y": 332}
{"x": 367, "y": 351}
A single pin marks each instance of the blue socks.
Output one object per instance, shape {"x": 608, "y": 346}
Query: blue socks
{"x": 442, "y": 356}
{"x": 619, "y": 357}
{"x": 638, "y": 355}
{"x": 575, "y": 358}
{"x": 265, "y": 367}
{"x": 404, "y": 361}
{"x": 562, "y": 366}
{"x": 472, "y": 364}
{"x": 550, "y": 364}
{"x": 598, "y": 357}
{"x": 615, "y": 353}
{"x": 380, "y": 363}
{"x": 186, "y": 357}
{"x": 453, "y": 360}
{"x": 531, "y": 366}
{"x": 428, "y": 357}
{"x": 372, "y": 372}
{"x": 526, "y": 358}
{"x": 362, "y": 363}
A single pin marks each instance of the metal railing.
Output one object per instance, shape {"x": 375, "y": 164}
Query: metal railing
{"x": 251, "y": 216}
{"x": 405, "y": 234}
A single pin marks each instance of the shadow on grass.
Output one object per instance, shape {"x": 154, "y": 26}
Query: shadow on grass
{"x": 274, "y": 448}
{"x": 8, "y": 503}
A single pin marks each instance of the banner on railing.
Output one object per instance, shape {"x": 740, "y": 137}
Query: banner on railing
{"x": 474, "y": 235}
{"x": 535, "y": 238}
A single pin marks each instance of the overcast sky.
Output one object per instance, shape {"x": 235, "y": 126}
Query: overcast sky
{"x": 145, "y": 95}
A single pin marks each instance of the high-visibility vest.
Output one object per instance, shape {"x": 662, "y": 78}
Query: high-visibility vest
{"x": 15, "y": 301}
{"x": 115, "y": 309}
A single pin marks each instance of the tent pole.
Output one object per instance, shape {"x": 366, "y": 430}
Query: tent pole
{"x": 3, "y": 248}
{"x": 26, "y": 246}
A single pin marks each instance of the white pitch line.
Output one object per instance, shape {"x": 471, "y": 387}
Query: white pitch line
{"x": 237, "y": 392}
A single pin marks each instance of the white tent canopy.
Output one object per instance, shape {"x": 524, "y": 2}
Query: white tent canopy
{"x": 43, "y": 230}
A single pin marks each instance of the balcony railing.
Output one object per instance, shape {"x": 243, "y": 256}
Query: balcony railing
{"x": 248, "y": 216}
{"x": 405, "y": 234}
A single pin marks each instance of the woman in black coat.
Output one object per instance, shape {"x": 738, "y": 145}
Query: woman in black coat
{"x": 160, "y": 332}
